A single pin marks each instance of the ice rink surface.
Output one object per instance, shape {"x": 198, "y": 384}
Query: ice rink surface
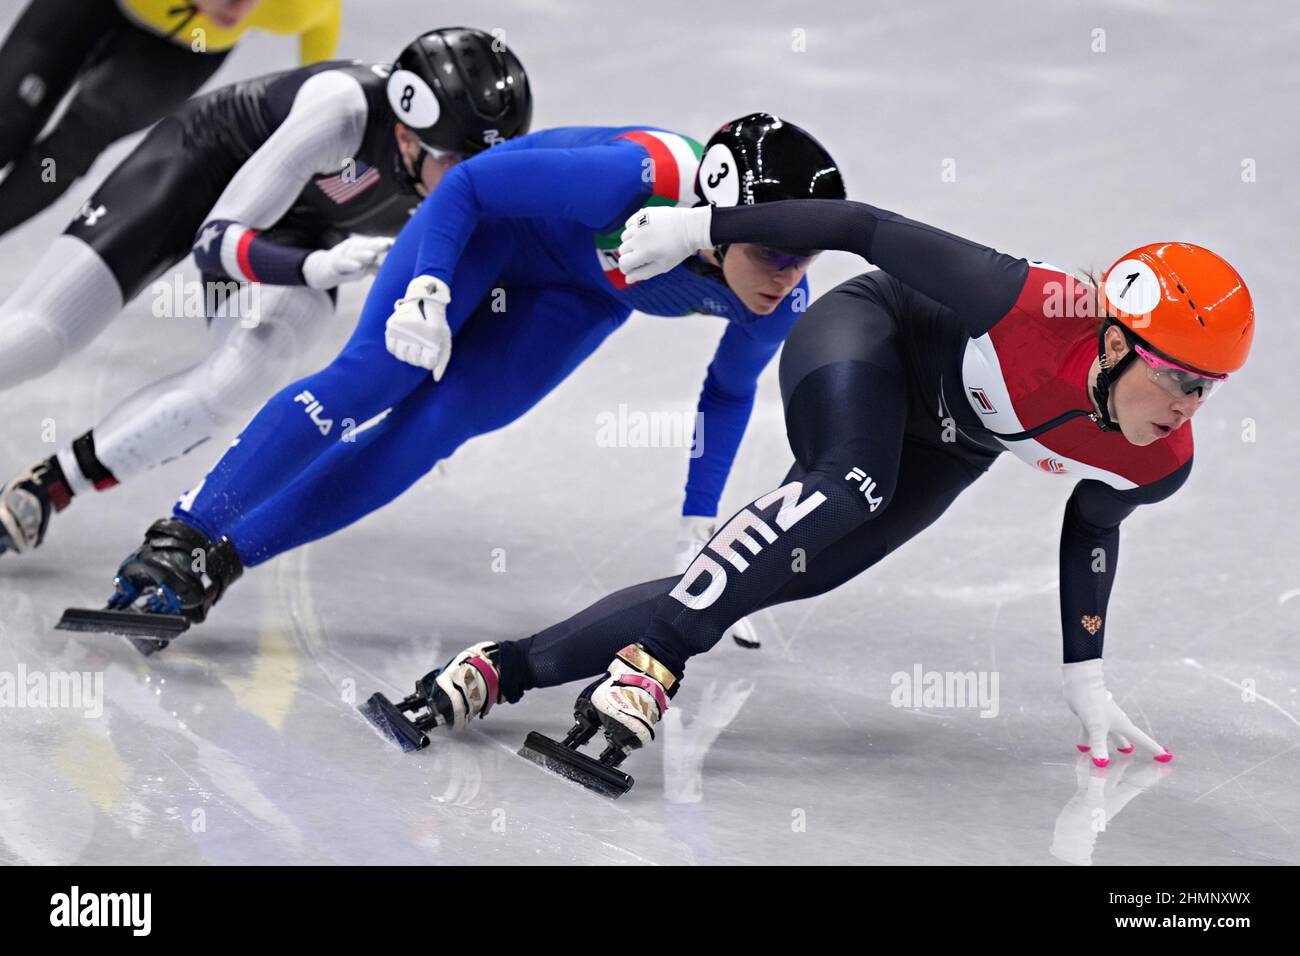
{"x": 240, "y": 743}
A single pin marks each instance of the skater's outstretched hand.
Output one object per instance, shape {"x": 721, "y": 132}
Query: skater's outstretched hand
{"x": 1102, "y": 718}
{"x": 417, "y": 332}
{"x": 657, "y": 239}
{"x": 354, "y": 258}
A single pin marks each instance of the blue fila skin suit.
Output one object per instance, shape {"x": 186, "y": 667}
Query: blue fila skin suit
{"x": 537, "y": 217}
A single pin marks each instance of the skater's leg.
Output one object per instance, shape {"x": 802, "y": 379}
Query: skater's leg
{"x": 45, "y": 50}
{"x": 309, "y": 417}
{"x": 168, "y": 418}
{"x": 845, "y": 417}
{"x": 583, "y": 645}
{"x": 137, "y": 79}
{"x": 502, "y": 364}
{"x": 501, "y": 373}
{"x": 67, "y": 299}
{"x": 140, "y": 221}
{"x": 852, "y": 322}
{"x": 929, "y": 481}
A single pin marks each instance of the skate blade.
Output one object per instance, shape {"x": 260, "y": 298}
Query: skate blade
{"x": 576, "y": 766}
{"x": 393, "y": 724}
{"x": 149, "y": 633}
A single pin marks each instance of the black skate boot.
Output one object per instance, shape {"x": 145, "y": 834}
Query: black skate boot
{"x": 626, "y": 702}
{"x": 171, "y": 582}
{"x": 26, "y": 504}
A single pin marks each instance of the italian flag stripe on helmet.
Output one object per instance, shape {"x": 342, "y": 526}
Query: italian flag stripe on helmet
{"x": 675, "y": 160}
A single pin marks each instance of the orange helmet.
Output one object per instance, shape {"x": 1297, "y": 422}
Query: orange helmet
{"x": 1184, "y": 302}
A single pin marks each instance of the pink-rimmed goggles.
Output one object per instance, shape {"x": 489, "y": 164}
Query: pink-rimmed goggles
{"x": 1179, "y": 380}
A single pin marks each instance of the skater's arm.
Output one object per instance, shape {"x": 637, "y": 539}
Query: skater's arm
{"x": 320, "y": 40}
{"x": 593, "y": 186}
{"x": 978, "y": 283}
{"x": 324, "y": 129}
{"x": 1089, "y": 555}
{"x": 727, "y": 400}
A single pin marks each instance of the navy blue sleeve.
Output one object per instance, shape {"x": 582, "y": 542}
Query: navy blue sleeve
{"x": 979, "y": 284}
{"x": 1089, "y": 555}
{"x": 591, "y": 185}
{"x": 225, "y": 248}
{"x": 727, "y": 400}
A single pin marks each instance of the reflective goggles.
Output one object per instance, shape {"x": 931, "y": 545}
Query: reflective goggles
{"x": 445, "y": 156}
{"x": 778, "y": 260}
{"x": 1178, "y": 380}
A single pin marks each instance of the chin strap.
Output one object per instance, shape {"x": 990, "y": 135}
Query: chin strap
{"x": 406, "y": 180}
{"x": 1107, "y": 376}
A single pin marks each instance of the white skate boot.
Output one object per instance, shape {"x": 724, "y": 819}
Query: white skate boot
{"x": 627, "y": 703}
{"x": 466, "y": 687}
{"x": 26, "y": 504}
{"x": 633, "y": 697}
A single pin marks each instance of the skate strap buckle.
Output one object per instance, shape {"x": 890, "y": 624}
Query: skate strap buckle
{"x": 638, "y": 657}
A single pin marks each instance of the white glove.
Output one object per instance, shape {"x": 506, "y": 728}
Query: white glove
{"x": 417, "y": 331}
{"x": 693, "y": 534}
{"x": 1086, "y": 693}
{"x": 658, "y": 238}
{"x": 354, "y": 258}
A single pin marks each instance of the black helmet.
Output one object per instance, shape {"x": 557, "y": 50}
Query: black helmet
{"x": 461, "y": 90}
{"x": 762, "y": 158}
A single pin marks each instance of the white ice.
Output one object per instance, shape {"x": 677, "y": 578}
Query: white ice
{"x": 240, "y": 744}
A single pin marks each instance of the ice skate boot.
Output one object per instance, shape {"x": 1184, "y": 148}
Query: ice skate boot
{"x": 466, "y": 687}
{"x": 169, "y": 583}
{"x": 627, "y": 703}
{"x": 26, "y": 504}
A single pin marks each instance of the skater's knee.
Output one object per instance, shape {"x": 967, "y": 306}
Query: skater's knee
{"x": 463, "y": 422}
{"x": 30, "y": 345}
{"x": 95, "y": 119}
{"x": 374, "y": 376}
{"x": 235, "y": 377}
{"x": 71, "y": 148}
{"x": 437, "y": 419}
{"x": 862, "y": 487}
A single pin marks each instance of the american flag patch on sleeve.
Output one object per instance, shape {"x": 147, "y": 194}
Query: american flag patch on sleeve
{"x": 345, "y": 186}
